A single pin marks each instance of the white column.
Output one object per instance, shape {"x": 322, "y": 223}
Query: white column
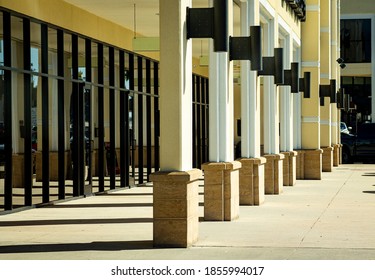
{"x": 175, "y": 87}
{"x": 334, "y": 66}
{"x": 250, "y": 96}
{"x": 221, "y": 138}
{"x": 271, "y": 116}
{"x": 325, "y": 74}
{"x": 286, "y": 102}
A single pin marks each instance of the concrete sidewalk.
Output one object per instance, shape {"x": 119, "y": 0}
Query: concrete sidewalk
{"x": 329, "y": 219}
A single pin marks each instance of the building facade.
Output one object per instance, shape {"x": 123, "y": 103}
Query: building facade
{"x": 253, "y": 105}
{"x": 357, "y": 49}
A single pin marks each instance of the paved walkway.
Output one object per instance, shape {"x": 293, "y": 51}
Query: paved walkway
{"x": 329, "y": 219}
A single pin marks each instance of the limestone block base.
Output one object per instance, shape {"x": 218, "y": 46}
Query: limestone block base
{"x": 327, "y": 159}
{"x": 336, "y": 155}
{"x": 251, "y": 181}
{"x": 175, "y": 208}
{"x": 54, "y": 165}
{"x": 300, "y": 165}
{"x": 18, "y": 171}
{"x": 273, "y": 183}
{"x": 289, "y": 168}
{"x": 221, "y": 191}
{"x": 95, "y": 163}
{"x": 309, "y": 164}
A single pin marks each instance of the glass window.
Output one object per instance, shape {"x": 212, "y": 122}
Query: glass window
{"x": 2, "y": 131}
{"x": 356, "y": 40}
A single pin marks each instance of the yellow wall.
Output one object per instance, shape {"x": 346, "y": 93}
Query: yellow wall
{"x": 286, "y": 14}
{"x": 357, "y": 7}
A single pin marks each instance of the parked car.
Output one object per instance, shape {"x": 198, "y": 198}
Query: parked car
{"x": 344, "y": 128}
{"x": 361, "y": 146}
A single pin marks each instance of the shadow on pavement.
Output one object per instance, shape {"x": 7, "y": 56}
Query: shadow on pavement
{"x": 74, "y": 222}
{"x": 371, "y": 192}
{"x": 92, "y": 246}
{"x": 106, "y": 205}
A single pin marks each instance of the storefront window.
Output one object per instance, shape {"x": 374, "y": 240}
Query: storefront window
{"x": 356, "y": 40}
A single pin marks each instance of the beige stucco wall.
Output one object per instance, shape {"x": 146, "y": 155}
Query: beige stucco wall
{"x": 357, "y": 7}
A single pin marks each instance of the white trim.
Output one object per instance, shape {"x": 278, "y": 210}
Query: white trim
{"x": 267, "y": 9}
{"x": 357, "y": 16}
{"x": 333, "y": 43}
{"x": 333, "y": 123}
{"x": 310, "y": 63}
{"x": 324, "y": 75}
{"x": 284, "y": 26}
{"x": 311, "y": 119}
{"x": 324, "y": 29}
{"x": 296, "y": 40}
{"x": 313, "y": 8}
{"x": 325, "y": 122}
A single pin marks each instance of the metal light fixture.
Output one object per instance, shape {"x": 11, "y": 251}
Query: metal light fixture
{"x": 340, "y": 61}
{"x": 328, "y": 91}
{"x": 305, "y": 84}
{"x": 291, "y": 77}
{"x": 209, "y": 23}
{"x": 247, "y": 48}
{"x": 273, "y": 66}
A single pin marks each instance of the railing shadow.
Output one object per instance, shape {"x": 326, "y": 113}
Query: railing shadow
{"x": 72, "y": 247}
{"x": 74, "y": 222}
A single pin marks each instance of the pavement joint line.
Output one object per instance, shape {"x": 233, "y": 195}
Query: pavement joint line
{"x": 325, "y": 209}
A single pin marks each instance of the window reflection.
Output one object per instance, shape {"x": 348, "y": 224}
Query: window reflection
{"x": 356, "y": 40}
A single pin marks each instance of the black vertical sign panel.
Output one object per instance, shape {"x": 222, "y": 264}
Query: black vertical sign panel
{"x": 28, "y": 171}
{"x": 45, "y": 115}
{"x": 8, "y": 188}
{"x": 140, "y": 120}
